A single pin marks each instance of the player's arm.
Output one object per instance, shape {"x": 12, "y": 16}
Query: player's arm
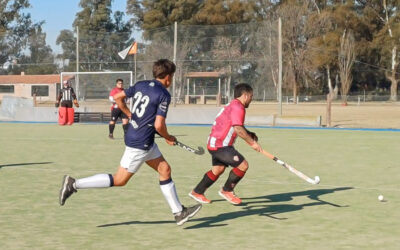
{"x": 74, "y": 96}
{"x": 111, "y": 97}
{"x": 161, "y": 129}
{"x": 252, "y": 135}
{"x": 242, "y": 133}
{"x": 58, "y": 99}
{"x": 119, "y": 99}
{"x": 237, "y": 119}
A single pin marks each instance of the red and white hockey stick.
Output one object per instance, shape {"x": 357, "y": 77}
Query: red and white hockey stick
{"x": 292, "y": 169}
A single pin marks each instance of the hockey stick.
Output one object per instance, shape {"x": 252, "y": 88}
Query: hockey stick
{"x": 198, "y": 151}
{"x": 292, "y": 169}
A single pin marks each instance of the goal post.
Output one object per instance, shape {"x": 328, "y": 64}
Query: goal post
{"x": 92, "y": 89}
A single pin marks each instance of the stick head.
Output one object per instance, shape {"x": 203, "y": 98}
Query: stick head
{"x": 316, "y": 180}
{"x": 200, "y": 151}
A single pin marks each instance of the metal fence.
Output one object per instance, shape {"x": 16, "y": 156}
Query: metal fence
{"x": 222, "y": 55}
{"x": 226, "y": 54}
{"x": 359, "y": 99}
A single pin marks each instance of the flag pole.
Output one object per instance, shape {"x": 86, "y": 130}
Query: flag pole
{"x": 131, "y": 50}
{"x": 134, "y": 57}
{"x": 175, "y": 44}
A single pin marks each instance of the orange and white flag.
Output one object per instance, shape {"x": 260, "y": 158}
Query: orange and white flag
{"x": 130, "y": 50}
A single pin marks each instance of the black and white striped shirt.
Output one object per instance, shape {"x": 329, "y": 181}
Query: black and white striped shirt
{"x": 66, "y": 94}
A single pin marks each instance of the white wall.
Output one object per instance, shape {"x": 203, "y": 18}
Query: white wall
{"x": 25, "y": 90}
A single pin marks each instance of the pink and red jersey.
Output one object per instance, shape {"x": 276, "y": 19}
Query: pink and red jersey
{"x": 222, "y": 132}
{"x": 113, "y": 92}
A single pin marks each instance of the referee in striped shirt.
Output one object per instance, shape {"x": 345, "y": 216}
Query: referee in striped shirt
{"x": 66, "y": 96}
{"x": 66, "y": 112}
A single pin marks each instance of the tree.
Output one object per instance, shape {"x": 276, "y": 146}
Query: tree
{"x": 194, "y": 42}
{"x": 150, "y": 14}
{"x": 387, "y": 38}
{"x": 346, "y": 61}
{"x": 15, "y": 28}
{"x": 40, "y": 59}
{"x": 101, "y": 35}
{"x": 325, "y": 29}
{"x": 68, "y": 45}
{"x": 293, "y": 15}
{"x": 214, "y": 12}
{"x": 230, "y": 44}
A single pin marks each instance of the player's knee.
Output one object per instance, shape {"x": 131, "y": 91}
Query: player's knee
{"x": 164, "y": 170}
{"x": 218, "y": 170}
{"x": 244, "y": 166}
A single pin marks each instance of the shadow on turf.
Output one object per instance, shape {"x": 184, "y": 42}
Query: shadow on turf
{"x": 136, "y": 222}
{"x": 25, "y": 164}
{"x": 260, "y": 205}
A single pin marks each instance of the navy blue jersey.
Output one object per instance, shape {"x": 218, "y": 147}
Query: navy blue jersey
{"x": 150, "y": 98}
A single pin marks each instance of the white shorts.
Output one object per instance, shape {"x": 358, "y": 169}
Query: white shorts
{"x": 133, "y": 158}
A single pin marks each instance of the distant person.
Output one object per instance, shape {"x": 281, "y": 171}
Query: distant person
{"x": 116, "y": 112}
{"x": 227, "y": 126}
{"x": 66, "y": 112}
{"x": 148, "y": 115}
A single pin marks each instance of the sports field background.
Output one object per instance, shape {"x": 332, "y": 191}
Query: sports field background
{"x": 363, "y": 115}
{"x": 279, "y": 211}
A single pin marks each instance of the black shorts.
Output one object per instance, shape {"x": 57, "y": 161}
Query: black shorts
{"x": 66, "y": 104}
{"x": 116, "y": 113}
{"x": 226, "y": 156}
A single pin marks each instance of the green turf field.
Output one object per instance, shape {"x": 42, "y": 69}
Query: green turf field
{"x": 279, "y": 210}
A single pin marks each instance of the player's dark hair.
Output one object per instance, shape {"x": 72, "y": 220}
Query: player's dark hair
{"x": 242, "y": 88}
{"x": 162, "y": 68}
{"x": 119, "y": 80}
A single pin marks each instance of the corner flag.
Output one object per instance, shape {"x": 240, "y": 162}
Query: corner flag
{"x": 130, "y": 50}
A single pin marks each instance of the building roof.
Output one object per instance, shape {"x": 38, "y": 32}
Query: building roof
{"x": 30, "y": 79}
{"x": 214, "y": 74}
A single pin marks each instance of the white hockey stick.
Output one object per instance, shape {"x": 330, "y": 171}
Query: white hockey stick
{"x": 292, "y": 169}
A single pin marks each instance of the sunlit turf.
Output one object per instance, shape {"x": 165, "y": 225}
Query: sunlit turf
{"x": 279, "y": 210}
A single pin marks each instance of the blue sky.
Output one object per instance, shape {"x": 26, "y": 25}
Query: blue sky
{"x": 59, "y": 15}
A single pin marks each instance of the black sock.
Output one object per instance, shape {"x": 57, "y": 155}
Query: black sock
{"x": 125, "y": 127}
{"x": 234, "y": 177}
{"x": 111, "y": 180}
{"x": 208, "y": 179}
{"x": 111, "y": 128}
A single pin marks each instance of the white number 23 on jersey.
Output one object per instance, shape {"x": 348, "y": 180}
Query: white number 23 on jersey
{"x": 140, "y": 104}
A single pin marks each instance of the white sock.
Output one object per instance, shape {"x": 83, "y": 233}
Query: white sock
{"x": 169, "y": 192}
{"x": 95, "y": 181}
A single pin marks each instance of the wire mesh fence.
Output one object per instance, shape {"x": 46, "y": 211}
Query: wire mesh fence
{"x": 224, "y": 54}
{"x": 221, "y": 55}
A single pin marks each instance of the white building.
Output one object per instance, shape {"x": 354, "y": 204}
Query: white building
{"x": 44, "y": 86}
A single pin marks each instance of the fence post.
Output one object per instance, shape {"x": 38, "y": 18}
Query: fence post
{"x": 264, "y": 96}
{"x": 364, "y": 95}
{"x": 328, "y": 110}
{"x": 280, "y": 65}
{"x": 77, "y": 90}
{"x": 173, "y": 79}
